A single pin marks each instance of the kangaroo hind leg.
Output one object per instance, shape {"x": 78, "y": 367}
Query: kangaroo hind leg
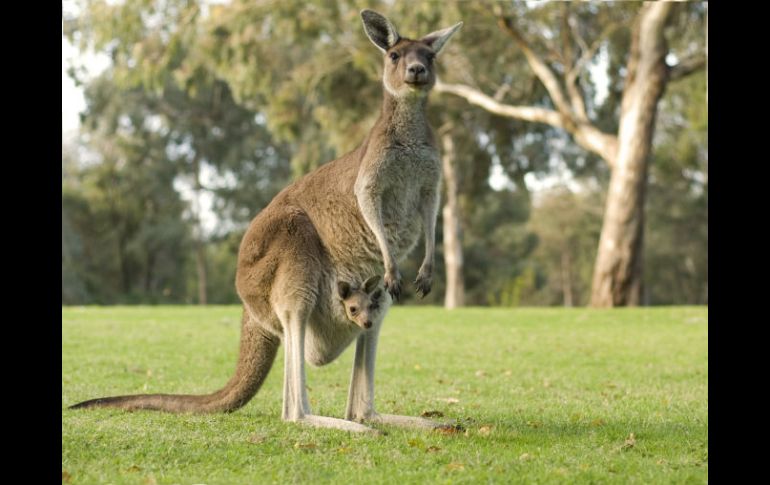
{"x": 361, "y": 395}
{"x": 294, "y": 295}
{"x": 296, "y": 405}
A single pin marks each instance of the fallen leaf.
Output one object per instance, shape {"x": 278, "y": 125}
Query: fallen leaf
{"x": 432, "y": 414}
{"x": 150, "y": 480}
{"x": 449, "y": 429}
{"x": 534, "y": 424}
{"x": 630, "y": 442}
{"x": 480, "y": 373}
{"x": 507, "y": 373}
{"x": 65, "y": 476}
{"x": 344, "y": 450}
{"x": 133, "y": 468}
{"x": 417, "y": 367}
{"x": 449, "y": 400}
{"x": 597, "y": 422}
{"x": 455, "y": 466}
{"x": 525, "y": 457}
{"x": 256, "y": 438}
{"x": 305, "y": 446}
{"x": 546, "y": 383}
{"x": 416, "y": 443}
{"x": 432, "y": 449}
{"x": 485, "y": 430}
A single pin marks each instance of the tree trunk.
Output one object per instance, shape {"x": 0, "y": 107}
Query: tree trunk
{"x": 566, "y": 277}
{"x": 200, "y": 265}
{"x": 618, "y": 269}
{"x": 453, "y": 250}
{"x": 148, "y": 272}
{"x": 200, "y": 245}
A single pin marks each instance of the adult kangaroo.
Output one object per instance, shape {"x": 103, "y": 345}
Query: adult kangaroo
{"x": 345, "y": 221}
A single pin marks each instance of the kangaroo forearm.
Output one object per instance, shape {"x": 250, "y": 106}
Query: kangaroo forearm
{"x": 429, "y": 215}
{"x": 371, "y": 209}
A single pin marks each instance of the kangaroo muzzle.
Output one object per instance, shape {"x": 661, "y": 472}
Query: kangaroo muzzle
{"x": 416, "y": 74}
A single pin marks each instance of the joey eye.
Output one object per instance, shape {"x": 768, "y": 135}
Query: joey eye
{"x": 394, "y": 56}
{"x": 431, "y": 56}
{"x": 374, "y": 306}
{"x": 353, "y": 310}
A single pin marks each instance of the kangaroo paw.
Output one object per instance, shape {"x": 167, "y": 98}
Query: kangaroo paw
{"x": 393, "y": 284}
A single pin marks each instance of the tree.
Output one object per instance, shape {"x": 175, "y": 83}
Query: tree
{"x": 567, "y": 225}
{"x": 159, "y": 61}
{"x": 617, "y": 273}
{"x": 676, "y": 252}
{"x": 123, "y": 238}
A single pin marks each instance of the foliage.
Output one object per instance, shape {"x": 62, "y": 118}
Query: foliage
{"x": 259, "y": 92}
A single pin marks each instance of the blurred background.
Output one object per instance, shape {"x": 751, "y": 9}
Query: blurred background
{"x": 574, "y": 139}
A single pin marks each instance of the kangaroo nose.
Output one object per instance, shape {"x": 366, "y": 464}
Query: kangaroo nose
{"x": 416, "y": 69}
{"x": 368, "y": 324}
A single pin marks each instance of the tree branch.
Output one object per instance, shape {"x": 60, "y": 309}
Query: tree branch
{"x": 587, "y": 53}
{"x": 585, "y": 134}
{"x": 686, "y": 66}
{"x": 525, "y": 113}
{"x": 541, "y": 70}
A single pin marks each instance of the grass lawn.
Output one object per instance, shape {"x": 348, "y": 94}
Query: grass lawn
{"x": 545, "y": 396}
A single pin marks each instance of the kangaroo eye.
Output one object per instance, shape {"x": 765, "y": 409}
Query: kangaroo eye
{"x": 394, "y": 56}
{"x": 431, "y": 56}
{"x": 353, "y": 310}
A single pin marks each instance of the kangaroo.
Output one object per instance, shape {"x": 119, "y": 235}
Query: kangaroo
{"x": 362, "y": 305}
{"x": 354, "y": 216}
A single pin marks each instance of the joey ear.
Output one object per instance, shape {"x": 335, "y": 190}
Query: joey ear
{"x": 380, "y": 30}
{"x": 371, "y": 284}
{"x": 437, "y": 39}
{"x": 343, "y": 289}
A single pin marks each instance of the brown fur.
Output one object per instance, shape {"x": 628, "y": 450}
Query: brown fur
{"x": 344, "y": 221}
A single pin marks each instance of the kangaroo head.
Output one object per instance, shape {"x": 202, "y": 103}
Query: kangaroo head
{"x": 362, "y": 305}
{"x": 409, "y": 68}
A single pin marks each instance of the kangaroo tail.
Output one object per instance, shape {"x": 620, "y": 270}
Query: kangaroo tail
{"x": 256, "y": 356}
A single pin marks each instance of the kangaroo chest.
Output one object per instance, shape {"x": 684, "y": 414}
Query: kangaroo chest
{"x": 410, "y": 175}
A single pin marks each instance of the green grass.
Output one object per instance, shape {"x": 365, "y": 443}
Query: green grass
{"x": 545, "y": 395}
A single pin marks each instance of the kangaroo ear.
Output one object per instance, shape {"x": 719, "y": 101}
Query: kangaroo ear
{"x": 379, "y": 30}
{"x": 371, "y": 284}
{"x": 343, "y": 289}
{"x": 437, "y": 39}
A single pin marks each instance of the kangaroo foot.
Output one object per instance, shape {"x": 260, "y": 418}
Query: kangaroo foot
{"x": 411, "y": 422}
{"x": 334, "y": 423}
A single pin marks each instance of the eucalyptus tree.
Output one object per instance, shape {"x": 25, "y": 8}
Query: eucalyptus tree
{"x": 559, "y": 42}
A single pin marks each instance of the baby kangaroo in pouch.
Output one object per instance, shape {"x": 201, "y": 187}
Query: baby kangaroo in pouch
{"x": 362, "y": 305}
{"x": 303, "y": 256}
